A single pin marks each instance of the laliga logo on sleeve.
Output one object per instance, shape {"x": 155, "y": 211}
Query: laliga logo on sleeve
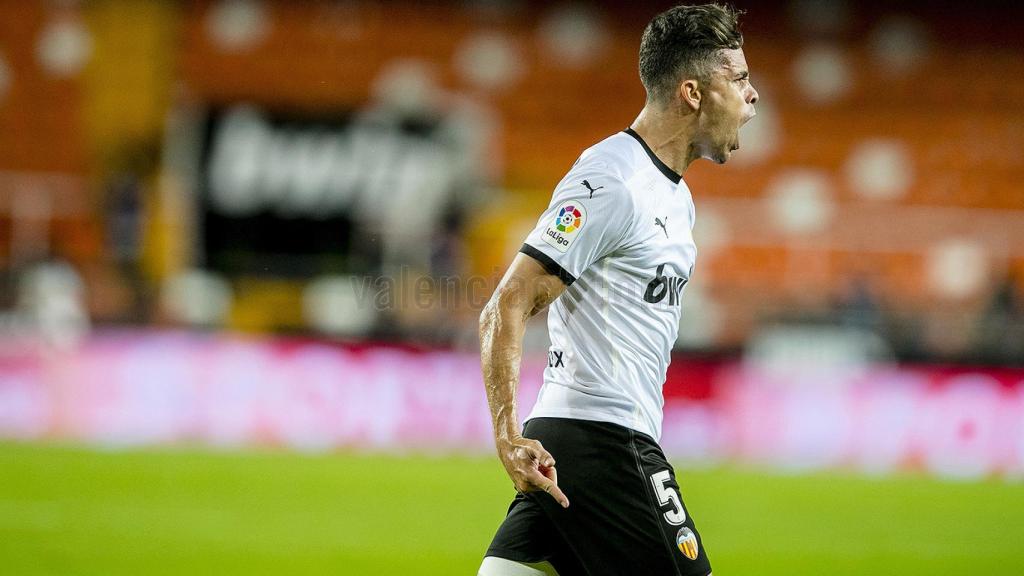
{"x": 569, "y": 219}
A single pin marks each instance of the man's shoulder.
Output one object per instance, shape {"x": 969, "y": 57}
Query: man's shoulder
{"x": 613, "y": 157}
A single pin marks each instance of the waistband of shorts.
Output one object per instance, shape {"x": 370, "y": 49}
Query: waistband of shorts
{"x": 624, "y": 433}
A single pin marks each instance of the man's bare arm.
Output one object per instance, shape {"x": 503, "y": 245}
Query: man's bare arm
{"x": 525, "y": 290}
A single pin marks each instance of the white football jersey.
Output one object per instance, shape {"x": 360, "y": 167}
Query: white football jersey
{"x": 618, "y": 232}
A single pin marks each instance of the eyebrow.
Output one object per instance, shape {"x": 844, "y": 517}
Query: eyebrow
{"x": 743, "y": 74}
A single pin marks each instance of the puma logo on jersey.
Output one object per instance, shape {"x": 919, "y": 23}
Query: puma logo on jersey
{"x": 658, "y": 222}
{"x": 592, "y": 189}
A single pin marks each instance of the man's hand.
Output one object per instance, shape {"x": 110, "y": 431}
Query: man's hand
{"x": 526, "y": 289}
{"x": 531, "y": 467}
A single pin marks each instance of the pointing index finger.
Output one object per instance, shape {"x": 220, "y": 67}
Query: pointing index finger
{"x": 556, "y": 493}
{"x": 550, "y": 485}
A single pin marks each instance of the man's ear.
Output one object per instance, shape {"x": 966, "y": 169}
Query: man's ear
{"x": 689, "y": 92}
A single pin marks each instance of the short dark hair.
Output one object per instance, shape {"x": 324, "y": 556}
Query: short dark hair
{"x": 683, "y": 42}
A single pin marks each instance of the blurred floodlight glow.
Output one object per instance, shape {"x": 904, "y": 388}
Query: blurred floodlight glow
{"x": 339, "y": 305}
{"x": 880, "y": 169}
{"x": 822, "y": 73}
{"x": 573, "y": 36}
{"x": 899, "y": 44}
{"x": 197, "y": 298}
{"x": 64, "y": 46}
{"x": 52, "y": 296}
{"x": 407, "y": 86}
{"x": 236, "y": 25}
{"x": 820, "y": 17}
{"x": 957, "y": 268}
{"x": 489, "y": 60}
{"x": 800, "y": 201}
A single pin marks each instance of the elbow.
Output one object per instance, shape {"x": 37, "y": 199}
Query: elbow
{"x": 488, "y": 317}
{"x": 497, "y": 315}
{"x": 482, "y": 321}
{"x": 505, "y": 310}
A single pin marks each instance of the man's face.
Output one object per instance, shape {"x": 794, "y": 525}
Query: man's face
{"x": 727, "y": 103}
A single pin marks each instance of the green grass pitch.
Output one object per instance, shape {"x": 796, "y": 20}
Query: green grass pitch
{"x": 71, "y": 510}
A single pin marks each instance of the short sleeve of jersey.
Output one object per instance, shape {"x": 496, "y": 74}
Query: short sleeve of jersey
{"x": 589, "y": 216}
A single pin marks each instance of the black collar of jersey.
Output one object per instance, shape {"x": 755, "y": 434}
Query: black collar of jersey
{"x": 668, "y": 172}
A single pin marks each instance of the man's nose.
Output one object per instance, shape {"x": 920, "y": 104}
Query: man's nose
{"x": 752, "y": 97}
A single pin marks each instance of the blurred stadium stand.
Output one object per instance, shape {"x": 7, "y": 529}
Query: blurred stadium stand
{"x": 275, "y": 166}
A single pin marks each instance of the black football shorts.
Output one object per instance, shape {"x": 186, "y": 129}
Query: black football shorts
{"x": 626, "y": 516}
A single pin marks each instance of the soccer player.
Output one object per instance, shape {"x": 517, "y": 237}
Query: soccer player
{"x": 611, "y": 256}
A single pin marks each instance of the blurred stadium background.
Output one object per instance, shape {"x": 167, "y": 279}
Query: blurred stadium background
{"x": 243, "y": 246}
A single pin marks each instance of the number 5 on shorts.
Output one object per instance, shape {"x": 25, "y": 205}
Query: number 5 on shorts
{"x": 666, "y": 495}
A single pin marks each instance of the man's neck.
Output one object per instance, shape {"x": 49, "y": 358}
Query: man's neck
{"x": 668, "y": 135}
